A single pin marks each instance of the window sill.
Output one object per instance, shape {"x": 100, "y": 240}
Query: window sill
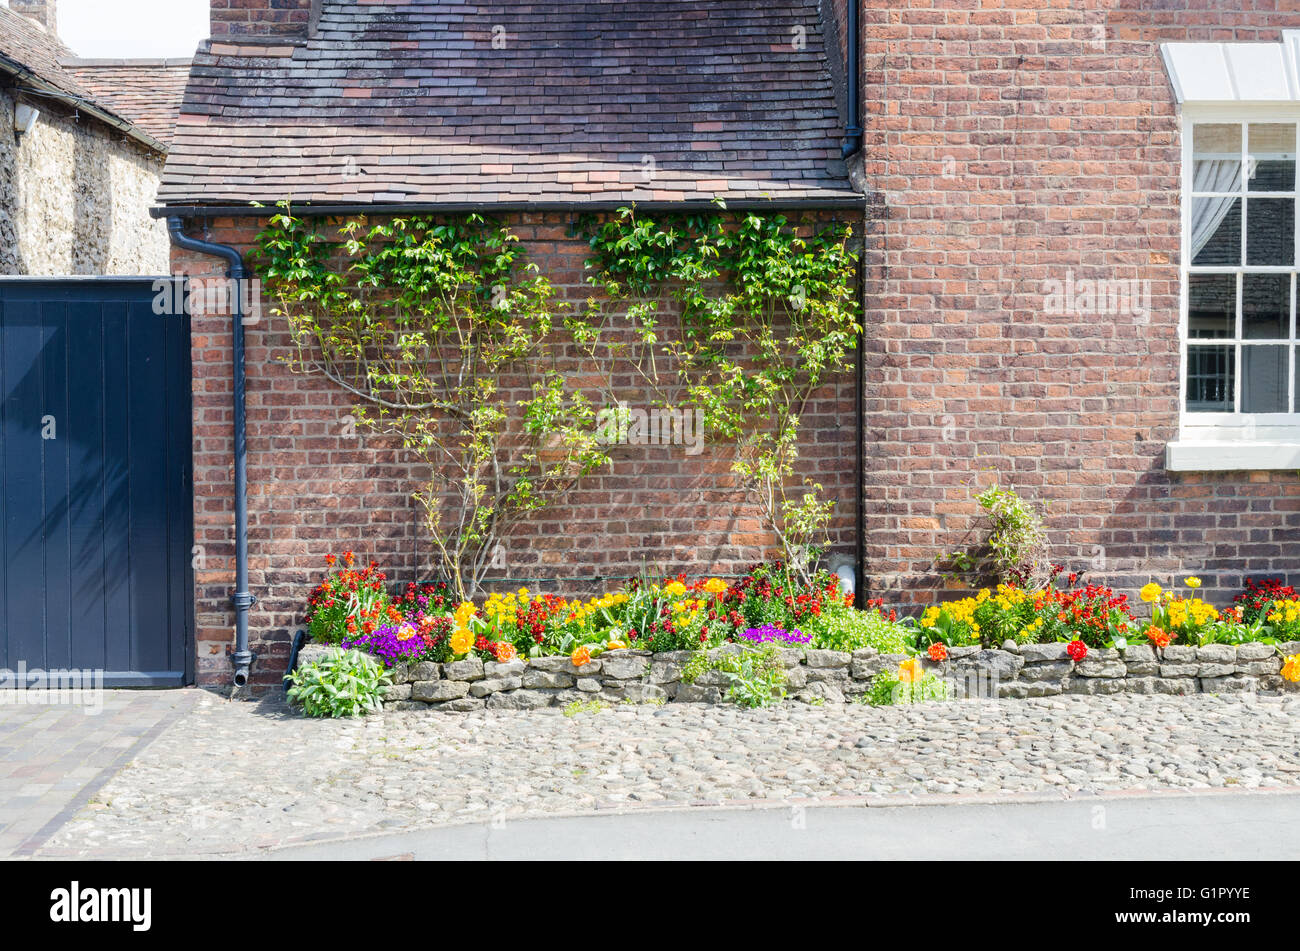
{"x": 1187, "y": 456}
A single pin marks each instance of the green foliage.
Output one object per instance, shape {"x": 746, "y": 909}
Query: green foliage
{"x": 577, "y": 707}
{"x": 888, "y": 690}
{"x": 1017, "y": 540}
{"x": 847, "y": 629}
{"x": 767, "y": 315}
{"x": 1015, "y": 546}
{"x": 755, "y": 677}
{"x": 341, "y": 684}
{"x": 424, "y": 322}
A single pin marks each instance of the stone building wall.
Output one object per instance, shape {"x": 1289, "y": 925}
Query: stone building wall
{"x": 75, "y": 196}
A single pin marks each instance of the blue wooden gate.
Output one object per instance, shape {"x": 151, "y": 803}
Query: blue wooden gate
{"x": 95, "y": 460}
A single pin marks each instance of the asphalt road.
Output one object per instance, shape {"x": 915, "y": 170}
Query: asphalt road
{"x": 1238, "y": 826}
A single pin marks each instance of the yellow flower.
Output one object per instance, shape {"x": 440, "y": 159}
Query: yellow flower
{"x": 675, "y": 589}
{"x": 1192, "y": 582}
{"x": 1291, "y": 668}
{"x": 1150, "y": 592}
{"x": 406, "y": 632}
{"x": 715, "y": 586}
{"x": 616, "y": 645}
{"x": 909, "y": 671}
{"x": 461, "y": 641}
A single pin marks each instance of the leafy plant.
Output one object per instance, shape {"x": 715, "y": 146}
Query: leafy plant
{"x": 341, "y": 684}
{"x": 1014, "y": 548}
{"x": 755, "y": 677}
{"x": 577, "y": 707}
{"x": 908, "y": 684}
{"x": 767, "y": 314}
{"x": 426, "y": 323}
{"x": 846, "y": 629}
{"x": 1017, "y": 541}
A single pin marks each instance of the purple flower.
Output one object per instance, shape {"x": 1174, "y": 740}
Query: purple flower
{"x": 386, "y": 642}
{"x": 772, "y": 634}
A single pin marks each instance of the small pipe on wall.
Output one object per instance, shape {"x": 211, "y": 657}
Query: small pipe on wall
{"x": 242, "y": 658}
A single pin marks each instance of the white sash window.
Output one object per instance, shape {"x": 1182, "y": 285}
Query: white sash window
{"x": 1239, "y": 386}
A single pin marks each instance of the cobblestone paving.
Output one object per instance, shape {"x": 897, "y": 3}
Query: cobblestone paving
{"x": 54, "y": 755}
{"x": 232, "y": 776}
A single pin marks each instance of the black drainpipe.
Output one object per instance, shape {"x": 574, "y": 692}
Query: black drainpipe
{"x": 860, "y": 430}
{"x": 853, "y": 132}
{"x": 241, "y": 599}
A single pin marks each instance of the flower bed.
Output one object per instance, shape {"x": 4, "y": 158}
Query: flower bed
{"x": 770, "y": 635}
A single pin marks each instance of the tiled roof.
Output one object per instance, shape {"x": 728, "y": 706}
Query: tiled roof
{"x": 146, "y": 92}
{"x": 118, "y": 91}
{"x": 442, "y": 101}
{"x": 29, "y": 45}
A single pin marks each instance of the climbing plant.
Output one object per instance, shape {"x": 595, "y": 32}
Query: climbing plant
{"x": 428, "y": 325}
{"x": 447, "y": 338}
{"x": 766, "y": 314}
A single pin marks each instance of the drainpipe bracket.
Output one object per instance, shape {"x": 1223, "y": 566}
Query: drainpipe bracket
{"x": 242, "y": 600}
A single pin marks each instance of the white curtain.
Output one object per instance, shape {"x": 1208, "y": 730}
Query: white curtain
{"x": 1216, "y": 175}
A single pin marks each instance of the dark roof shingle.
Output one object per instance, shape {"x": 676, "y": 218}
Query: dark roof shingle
{"x": 442, "y": 101}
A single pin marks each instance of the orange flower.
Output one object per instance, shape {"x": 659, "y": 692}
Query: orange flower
{"x": 938, "y": 652}
{"x": 1158, "y": 638}
{"x": 503, "y": 651}
{"x": 580, "y": 657}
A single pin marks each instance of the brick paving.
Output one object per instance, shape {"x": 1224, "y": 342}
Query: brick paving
{"x": 54, "y": 757}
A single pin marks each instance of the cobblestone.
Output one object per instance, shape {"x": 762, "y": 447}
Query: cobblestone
{"x": 247, "y": 775}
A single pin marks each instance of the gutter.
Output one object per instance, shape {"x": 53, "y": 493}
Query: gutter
{"x": 39, "y": 87}
{"x": 242, "y": 658}
{"x": 853, "y": 202}
{"x": 853, "y": 131}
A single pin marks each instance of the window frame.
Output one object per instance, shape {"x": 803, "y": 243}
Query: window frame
{"x": 1236, "y": 427}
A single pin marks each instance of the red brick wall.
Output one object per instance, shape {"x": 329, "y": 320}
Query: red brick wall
{"x": 1011, "y": 141}
{"x": 245, "y": 18}
{"x": 316, "y": 489}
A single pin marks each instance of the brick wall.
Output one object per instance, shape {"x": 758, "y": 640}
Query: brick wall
{"x": 1009, "y": 143}
{"x": 264, "y": 18}
{"x": 314, "y": 488}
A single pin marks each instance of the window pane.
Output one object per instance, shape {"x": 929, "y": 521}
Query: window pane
{"x": 1216, "y": 158}
{"x": 1211, "y": 306}
{"x": 1264, "y": 379}
{"x": 1266, "y": 307}
{"x": 1210, "y": 379}
{"x": 1271, "y": 158}
{"x": 1270, "y": 231}
{"x": 1216, "y": 232}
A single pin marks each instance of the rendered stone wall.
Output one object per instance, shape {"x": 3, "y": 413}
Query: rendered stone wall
{"x": 75, "y": 198}
{"x": 820, "y": 676}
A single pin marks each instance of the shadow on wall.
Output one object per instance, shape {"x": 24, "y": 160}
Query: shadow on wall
{"x": 92, "y": 224}
{"x": 11, "y": 255}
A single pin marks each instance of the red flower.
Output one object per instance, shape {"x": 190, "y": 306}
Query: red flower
{"x": 1077, "y": 650}
{"x": 938, "y": 652}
